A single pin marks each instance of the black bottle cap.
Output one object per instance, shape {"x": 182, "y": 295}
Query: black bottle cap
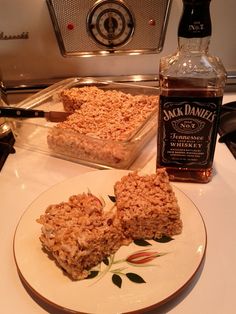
{"x": 195, "y": 21}
{"x": 193, "y": 2}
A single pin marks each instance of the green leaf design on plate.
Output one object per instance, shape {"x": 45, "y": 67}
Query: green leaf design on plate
{"x": 141, "y": 242}
{"x": 106, "y": 261}
{"x": 117, "y": 280}
{"x": 93, "y": 274}
{"x": 163, "y": 239}
{"x": 135, "y": 278}
{"x": 112, "y": 198}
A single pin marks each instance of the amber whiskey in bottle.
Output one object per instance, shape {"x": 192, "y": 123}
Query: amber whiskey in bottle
{"x": 191, "y": 90}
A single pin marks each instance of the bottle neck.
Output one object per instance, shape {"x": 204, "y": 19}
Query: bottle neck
{"x": 193, "y": 45}
{"x": 194, "y": 30}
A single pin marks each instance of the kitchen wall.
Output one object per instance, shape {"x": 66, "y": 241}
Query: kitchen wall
{"x": 39, "y": 57}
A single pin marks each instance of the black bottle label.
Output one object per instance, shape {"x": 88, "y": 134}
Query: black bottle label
{"x": 187, "y": 131}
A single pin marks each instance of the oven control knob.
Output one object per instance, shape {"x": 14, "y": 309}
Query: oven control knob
{"x": 110, "y": 23}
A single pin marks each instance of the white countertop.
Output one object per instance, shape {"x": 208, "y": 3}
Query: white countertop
{"x": 27, "y": 174}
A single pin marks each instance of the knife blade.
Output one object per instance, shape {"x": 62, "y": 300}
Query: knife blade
{"x": 15, "y": 112}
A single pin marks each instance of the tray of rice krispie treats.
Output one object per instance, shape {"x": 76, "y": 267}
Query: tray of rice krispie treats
{"x": 109, "y": 125}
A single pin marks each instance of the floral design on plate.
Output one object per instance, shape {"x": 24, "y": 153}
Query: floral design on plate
{"x": 140, "y": 258}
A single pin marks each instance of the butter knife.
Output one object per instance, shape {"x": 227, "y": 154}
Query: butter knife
{"x": 15, "y": 112}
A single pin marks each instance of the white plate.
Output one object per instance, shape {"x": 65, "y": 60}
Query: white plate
{"x": 164, "y": 275}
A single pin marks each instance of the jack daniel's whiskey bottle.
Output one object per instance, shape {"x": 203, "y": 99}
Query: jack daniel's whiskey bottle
{"x": 191, "y": 89}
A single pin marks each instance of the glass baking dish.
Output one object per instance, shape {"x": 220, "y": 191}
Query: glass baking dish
{"x": 87, "y": 149}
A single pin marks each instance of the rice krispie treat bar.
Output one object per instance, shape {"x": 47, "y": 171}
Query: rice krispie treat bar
{"x": 75, "y": 97}
{"x": 147, "y": 206}
{"x": 79, "y": 234}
